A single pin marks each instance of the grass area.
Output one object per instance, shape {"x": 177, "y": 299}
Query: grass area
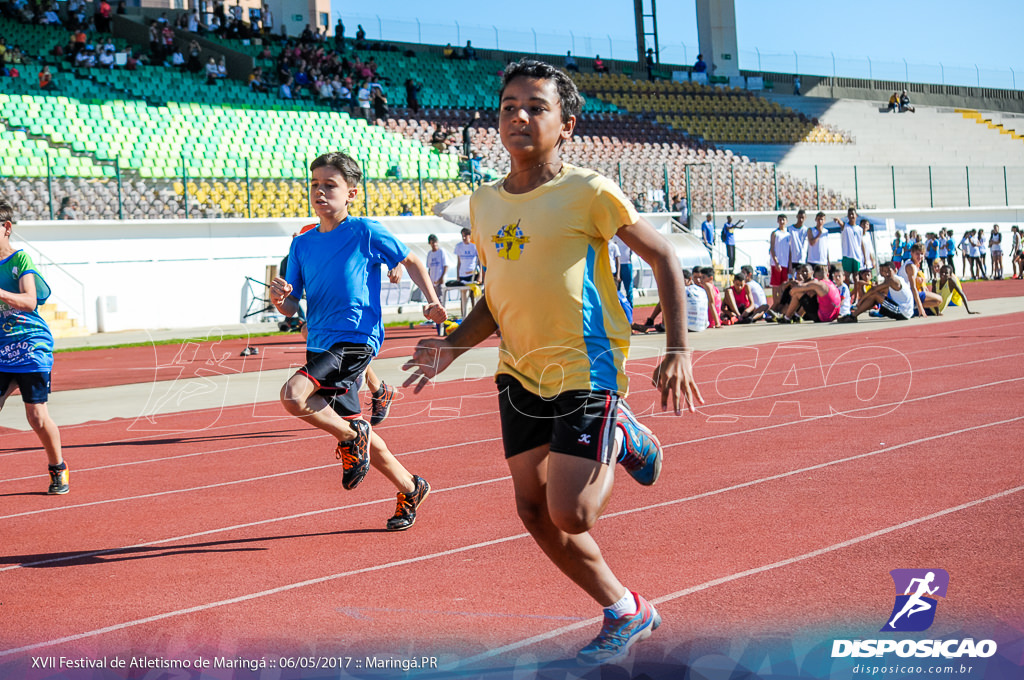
{"x": 171, "y": 341}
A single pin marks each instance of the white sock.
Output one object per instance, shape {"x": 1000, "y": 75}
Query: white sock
{"x": 626, "y": 606}
{"x": 619, "y": 447}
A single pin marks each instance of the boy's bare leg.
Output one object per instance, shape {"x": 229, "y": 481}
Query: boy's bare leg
{"x": 871, "y": 298}
{"x": 42, "y": 424}
{"x": 372, "y": 381}
{"x": 730, "y": 301}
{"x": 385, "y": 462}
{"x": 794, "y": 303}
{"x": 300, "y": 398}
{"x": 559, "y": 498}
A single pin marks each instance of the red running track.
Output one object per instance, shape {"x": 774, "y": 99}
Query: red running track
{"x": 813, "y": 470}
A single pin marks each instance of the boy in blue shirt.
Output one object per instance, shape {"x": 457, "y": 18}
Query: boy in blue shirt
{"x": 338, "y": 267}
{"x": 26, "y": 346}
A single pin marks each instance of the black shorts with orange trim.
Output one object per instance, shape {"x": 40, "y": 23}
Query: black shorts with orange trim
{"x": 579, "y": 423}
{"x": 337, "y": 373}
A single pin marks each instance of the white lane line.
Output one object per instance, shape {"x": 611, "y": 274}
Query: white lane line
{"x": 484, "y": 544}
{"x": 736, "y": 576}
{"x": 174, "y": 539}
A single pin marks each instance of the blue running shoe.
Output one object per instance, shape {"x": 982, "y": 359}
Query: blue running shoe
{"x": 618, "y": 635}
{"x": 641, "y": 450}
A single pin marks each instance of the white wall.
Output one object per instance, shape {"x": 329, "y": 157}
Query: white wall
{"x": 179, "y": 274}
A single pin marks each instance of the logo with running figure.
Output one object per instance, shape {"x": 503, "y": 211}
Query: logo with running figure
{"x": 916, "y": 593}
{"x": 510, "y": 241}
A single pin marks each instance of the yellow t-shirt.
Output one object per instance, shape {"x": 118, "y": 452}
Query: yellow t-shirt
{"x": 949, "y": 294}
{"x": 549, "y": 282}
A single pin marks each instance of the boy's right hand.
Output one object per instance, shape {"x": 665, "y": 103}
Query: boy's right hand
{"x": 432, "y": 356}
{"x": 279, "y": 290}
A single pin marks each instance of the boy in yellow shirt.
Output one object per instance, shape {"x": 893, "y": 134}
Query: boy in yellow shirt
{"x": 542, "y": 233}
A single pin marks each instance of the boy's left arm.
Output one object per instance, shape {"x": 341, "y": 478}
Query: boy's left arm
{"x": 674, "y": 375}
{"x": 418, "y": 273}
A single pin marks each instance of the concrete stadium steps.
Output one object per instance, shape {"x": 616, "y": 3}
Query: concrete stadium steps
{"x": 1006, "y": 124}
{"x": 60, "y": 322}
{"x": 898, "y": 149}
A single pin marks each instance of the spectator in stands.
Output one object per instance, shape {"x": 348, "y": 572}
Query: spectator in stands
{"x": 360, "y": 37}
{"x": 212, "y": 72}
{"x": 46, "y": 79}
{"x": 440, "y": 138}
{"x": 194, "y": 64}
{"x": 817, "y": 242}
{"x": 256, "y": 81}
{"x": 905, "y": 104}
{"x": 467, "y": 135}
{"x": 468, "y": 52}
{"x": 177, "y": 60}
{"x": 339, "y": 35}
{"x": 448, "y": 51}
{"x": 700, "y": 66}
{"x": 268, "y": 21}
{"x": 102, "y": 17}
{"x": 222, "y": 68}
{"x": 167, "y": 38}
{"x": 894, "y": 103}
{"x": 893, "y": 296}
{"x": 380, "y": 104}
{"x": 50, "y": 17}
{"x": 285, "y": 91}
{"x": 796, "y": 85}
{"x": 193, "y": 21}
{"x": 570, "y": 63}
{"x": 779, "y": 252}
{"x": 649, "y": 64}
{"x": 599, "y": 66}
{"x": 342, "y": 94}
{"x": 412, "y": 94}
{"x": 106, "y": 56}
{"x": 156, "y": 52}
{"x": 68, "y": 209}
{"x": 707, "y": 232}
{"x": 256, "y": 19}
{"x": 122, "y": 7}
{"x": 364, "y": 97}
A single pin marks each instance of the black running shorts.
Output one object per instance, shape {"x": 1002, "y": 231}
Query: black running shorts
{"x": 338, "y": 373}
{"x": 577, "y": 422}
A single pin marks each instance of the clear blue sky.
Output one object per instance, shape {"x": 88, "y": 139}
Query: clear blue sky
{"x": 957, "y": 35}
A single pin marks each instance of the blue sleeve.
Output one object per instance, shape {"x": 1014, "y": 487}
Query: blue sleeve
{"x": 294, "y": 274}
{"x": 385, "y": 247}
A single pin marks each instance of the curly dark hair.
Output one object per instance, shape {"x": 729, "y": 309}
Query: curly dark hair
{"x": 570, "y": 98}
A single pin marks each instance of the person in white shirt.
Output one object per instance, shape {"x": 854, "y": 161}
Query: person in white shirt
{"x": 758, "y": 299}
{"x": 437, "y": 266}
{"x": 817, "y": 242}
{"x": 624, "y": 275}
{"x": 894, "y": 297}
{"x": 613, "y": 259}
{"x": 797, "y": 243}
{"x": 852, "y": 244}
{"x": 867, "y": 258}
{"x": 778, "y": 254}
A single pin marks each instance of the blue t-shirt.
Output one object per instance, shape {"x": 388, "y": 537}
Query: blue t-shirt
{"x": 728, "y": 234}
{"x": 339, "y": 271}
{"x": 26, "y": 344}
{"x": 709, "y": 232}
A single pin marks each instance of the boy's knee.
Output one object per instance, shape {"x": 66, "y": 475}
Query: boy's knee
{"x": 292, "y": 400}
{"x": 36, "y": 417}
{"x": 531, "y": 513}
{"x": 574, "y": 520}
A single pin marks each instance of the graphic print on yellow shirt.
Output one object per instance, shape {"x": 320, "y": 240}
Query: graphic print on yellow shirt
{"x": 549, "y": 282}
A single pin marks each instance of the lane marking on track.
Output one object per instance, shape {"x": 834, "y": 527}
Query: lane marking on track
{"x": 485, "y": 544}
{"x": 738, "y": 575}
{"x": 490, "y": 392}
{"x": 490, "y": 411}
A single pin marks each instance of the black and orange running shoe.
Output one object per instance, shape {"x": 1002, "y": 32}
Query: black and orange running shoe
{"x": 380, "y": 403}
{"x": 405, "y": 513}
{"x": 59, "y": 479}
{"x": 355, "y": 455}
